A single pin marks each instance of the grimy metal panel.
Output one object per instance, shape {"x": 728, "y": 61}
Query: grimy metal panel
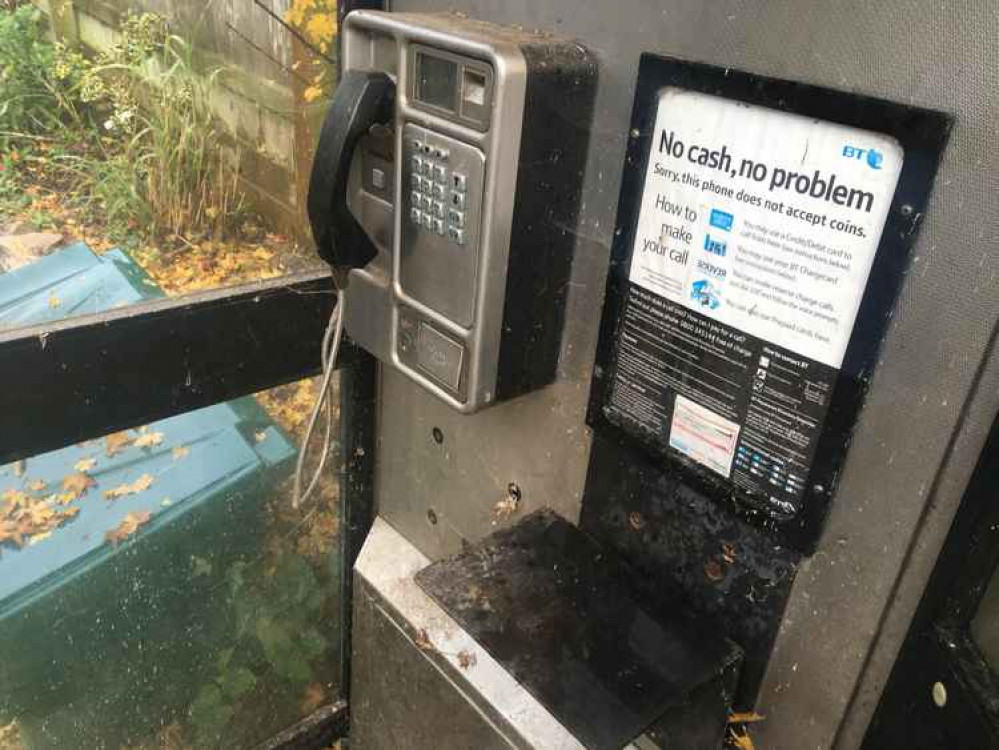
{"x": 933, "y": 395}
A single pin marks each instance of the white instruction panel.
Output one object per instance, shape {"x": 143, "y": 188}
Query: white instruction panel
{"x": 755, "y": 237}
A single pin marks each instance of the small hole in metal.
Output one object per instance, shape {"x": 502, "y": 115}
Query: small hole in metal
{"x": 513, "y": 491}
{"x": 438, "y": 435}
{"x": 906, "y": 210}
{"x": 432, "y": 516}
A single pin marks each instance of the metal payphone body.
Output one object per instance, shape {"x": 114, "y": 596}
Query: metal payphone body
{"x": 469, "y": 195}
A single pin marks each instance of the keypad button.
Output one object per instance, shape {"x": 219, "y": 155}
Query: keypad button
{"x": 458, "y": 201}
{"x": 426, "y": 185}
{"x": 456, "y": 218}
{"x": 415, "y": 216}
{"x": 414, "y": 199}
{"x": 459, "y": 182}
{"x": 438, "y": 226}
{"x": 428, "y": 221}
{"x": 417, "y": 164}
{"x": 456, "y": 235}
{"x": 426, "y": 203}
{"x": 438, "y": 209}
{"x": 439, "y": 173}
{"x": 414, "y": 181}
{"x": 438, "y": 191}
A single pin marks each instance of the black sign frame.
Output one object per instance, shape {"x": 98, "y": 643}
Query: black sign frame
{"x": 922, "y": 134}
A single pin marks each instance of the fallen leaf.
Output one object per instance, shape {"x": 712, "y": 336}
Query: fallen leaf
{"x": 148, "y": 440}
{"x": 260, "y": 436}
{"x": 741, "y": 740}
{"x": 745, "y": 717}
{"x": 37, "y": 485}
{"x": 179, "y": 451}
{"x": 39, "y": 538}
{"x": 10, "y": 532}
{"x": 423, "y": 640}
{"x": 714, "y": 570}
{"x": 729, "y": 553}
{"x": 636, "y": 521}
{"x": 139, "y": 485}
{"x": 84, "y": 464}
{"x": 466, "y": 660}
{"x": 505, "y": 508}
{"x": 128, "y": 526}
{"x": 313, "y": 698}
{"x": 77, "y": 484}
{"x": 54, "y": 302}
{"x": 116, "y": 442}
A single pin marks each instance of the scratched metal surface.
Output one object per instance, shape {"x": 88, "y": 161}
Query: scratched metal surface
{"x": 932, "y": 398}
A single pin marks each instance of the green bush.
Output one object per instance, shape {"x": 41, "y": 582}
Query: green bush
{"x": 128, "y": 132}
{"x": 32, "y": 100}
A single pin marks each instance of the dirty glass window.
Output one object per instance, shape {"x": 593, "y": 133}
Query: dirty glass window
{"x": 172, "y": 139}
{"x": 158, "y": 589}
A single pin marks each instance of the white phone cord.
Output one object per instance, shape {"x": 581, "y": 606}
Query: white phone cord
{"x": 331, "y": 345}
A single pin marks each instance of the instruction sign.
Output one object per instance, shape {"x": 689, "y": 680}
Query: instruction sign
{"x": 754, "y": 241}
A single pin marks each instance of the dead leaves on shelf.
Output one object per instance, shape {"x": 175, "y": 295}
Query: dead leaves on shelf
{"x": 128, "y": 526}
{"x": 25, "y": 518}
{"x": 31, "y": 514}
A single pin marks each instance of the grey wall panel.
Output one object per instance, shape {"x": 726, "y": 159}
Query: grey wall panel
{"x": 907, "y": 465}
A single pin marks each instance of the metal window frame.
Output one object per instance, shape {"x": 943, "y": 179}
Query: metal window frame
{"x": 86, "y": 376}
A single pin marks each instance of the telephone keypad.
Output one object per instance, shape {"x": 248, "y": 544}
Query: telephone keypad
{"x": 433, "y": 186}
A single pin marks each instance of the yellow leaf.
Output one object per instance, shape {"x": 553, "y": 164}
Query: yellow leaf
{"x": 128, "y": 526}
{"x": 179, "y": 451}
{"x": 77, "y": 484}
{"x": 148, "y": 440}
{"x": 54, "y": 301}
{"x": 37, "y": 486}
{"x": 312, "y": 93}
{"x": 84, "y": 464}
{"x": 741, "y": 740}
{"x": 116, "y": 442}
{"x": 39, "y": 537}
{"x": 139, "y": 485}
{"x": 745, "y": 717}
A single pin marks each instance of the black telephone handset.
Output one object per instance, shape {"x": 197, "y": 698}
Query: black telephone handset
{"x": 362, "y": 99}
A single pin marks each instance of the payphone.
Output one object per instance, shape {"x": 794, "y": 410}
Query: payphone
{"x": 445, "y": 191}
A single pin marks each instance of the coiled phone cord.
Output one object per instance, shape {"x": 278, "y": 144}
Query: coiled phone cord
{"x": 331, "y": 345}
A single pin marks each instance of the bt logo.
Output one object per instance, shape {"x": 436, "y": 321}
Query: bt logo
{"x": 873, "y": 156}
